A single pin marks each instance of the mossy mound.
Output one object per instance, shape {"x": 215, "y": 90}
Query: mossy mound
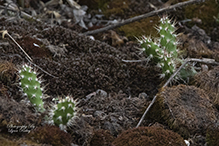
{"x": 102, "y": 138}
{"x": 186, "y": 109}
{"x": 151, "y": 136}
{"x": 50, "y": 135}
{"x": 15, "y": 141}
{"x": 7, "y": 72}
{"x": 208, "y": 81}
{"x": 205, "y": 12}
{"x": 14, "y": 115}
{"x": 139, "y": 28}
{"x": 212, "y": 135}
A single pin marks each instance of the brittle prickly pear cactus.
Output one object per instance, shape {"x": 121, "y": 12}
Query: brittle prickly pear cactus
{"x": 30, "y": 85}
{"x": 163, "y": 50}
{"x": 63, "y": 113}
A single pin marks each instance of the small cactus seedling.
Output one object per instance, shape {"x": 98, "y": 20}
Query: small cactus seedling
{"x": 30, "y": 85}
{"x": 63, "y": 113}
{"x": 163, "y": 50}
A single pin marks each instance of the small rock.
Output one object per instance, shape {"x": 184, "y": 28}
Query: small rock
{"x": 101, "y": 93}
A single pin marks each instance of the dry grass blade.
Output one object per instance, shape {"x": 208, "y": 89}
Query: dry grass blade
{"x": 5, "y": 32}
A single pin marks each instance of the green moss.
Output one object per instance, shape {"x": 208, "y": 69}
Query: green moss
{"x": 116, "y": 7}
{"x": 100, "y": 3}
{"x": 212, "y": 135}
{"x": 204, "y": 11}
{"x": 93, "y": 4}
{"x": 108, "y": 7}
{"x": 139, "y": 28}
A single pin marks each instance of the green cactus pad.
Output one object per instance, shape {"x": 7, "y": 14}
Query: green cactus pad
{"x": 164, "y": 49}
{"x": 164, "y": 52}
{"x": 63, "y": 113}
{"x": 31, "y": 86}
{"x": 167, "y": 36}
{"x": 152, "y": 49}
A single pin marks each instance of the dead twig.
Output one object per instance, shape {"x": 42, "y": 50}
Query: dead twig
{"x": 137, "y": 18}
{"x": 42, "y": 69}
{"x": 204, "y": 60}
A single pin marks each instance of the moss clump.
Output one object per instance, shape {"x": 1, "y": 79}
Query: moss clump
{"x": 115, "y": 7}
{"x": 94, "y": 4}
{"x": 101, "y": 137}
{"x": 152, "y": 136}
{"x": 139, "y": 28}
{"x": 204, "y": 11}
{"x": 7, "y": 72}
{"x": 108, "y": 7}
{"x": 212, "y": 136}
{"x": 208, "y": 81}
{"x": 185, "y": 110}
{"x": 50, "y": 135}
{"x": 7, "y": 140}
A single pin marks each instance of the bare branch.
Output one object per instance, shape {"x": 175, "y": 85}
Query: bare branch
{"x": 137, "y": 18}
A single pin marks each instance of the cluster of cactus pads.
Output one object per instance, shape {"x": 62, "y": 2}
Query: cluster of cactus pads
{"x": 163, "y": 50}
{"x": 61, "y": 114}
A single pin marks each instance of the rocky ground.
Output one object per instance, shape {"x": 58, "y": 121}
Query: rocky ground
{"x": 112, "y": 94}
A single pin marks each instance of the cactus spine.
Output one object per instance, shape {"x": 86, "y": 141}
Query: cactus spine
{"x": 30, "y": 85}
{"x": 164, "y": 49}
{"x": 63, "y": 113}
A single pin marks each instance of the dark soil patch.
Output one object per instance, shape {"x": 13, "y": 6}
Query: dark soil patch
{"x": 86, "y": 65}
